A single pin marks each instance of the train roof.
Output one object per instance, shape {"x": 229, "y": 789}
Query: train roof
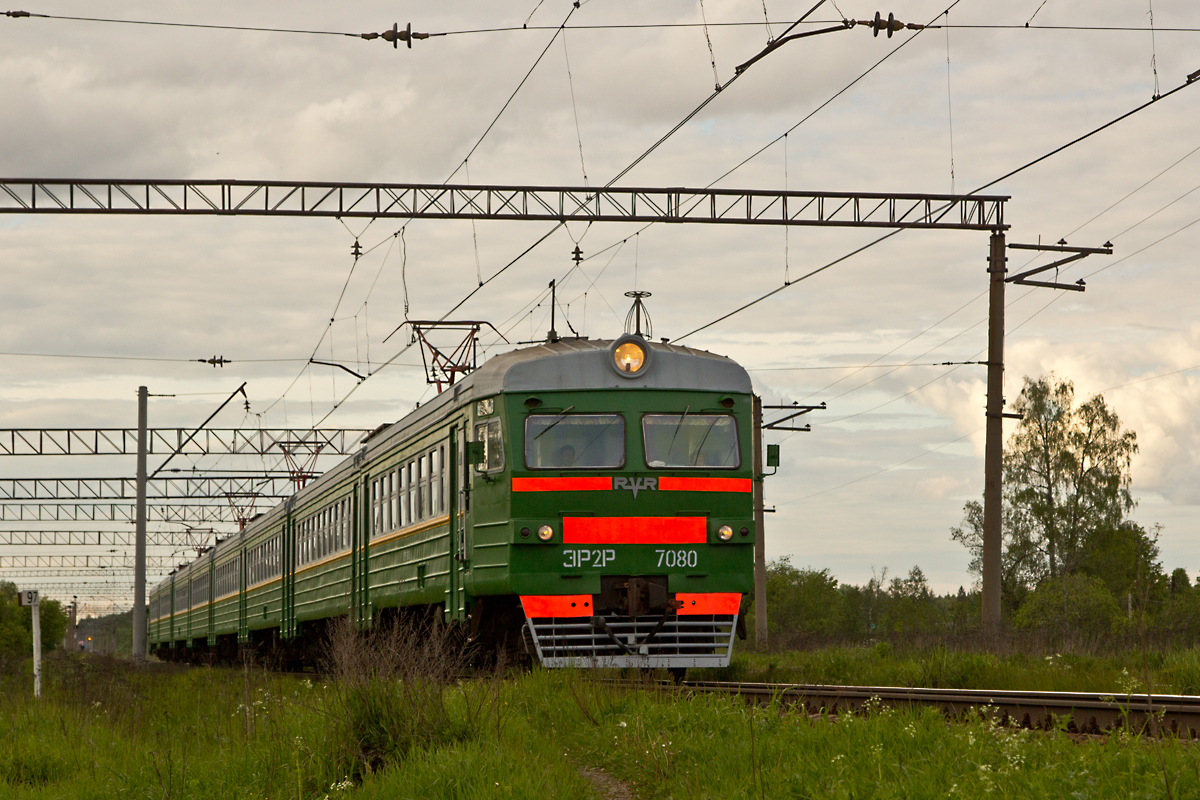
{"x": 572, "y": 364}
{"x": 565, "y": 365}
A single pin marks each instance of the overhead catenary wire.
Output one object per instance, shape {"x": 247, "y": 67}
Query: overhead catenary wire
{"x": 910, "y": 392}
{"x": 466, "y": 159}
{"x": 705, "y": 102}
{"x": 989, "y": 184}
{"x": 739, "y": 72}
{"x": 949, "y": 106}
{"x": 535, "y": 28}
{"x": 922, "y": 454}
{"x": 671, "y": 132}
{"x": 542, "y": 239}
{"x": 1054, "y": 299}
{"x": 764, "y": 148}
{"x": 861, "y": 366}
{"x": 219, "y": 360}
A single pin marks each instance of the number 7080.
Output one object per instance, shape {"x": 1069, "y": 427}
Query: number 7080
{"x": 677, "y": 558}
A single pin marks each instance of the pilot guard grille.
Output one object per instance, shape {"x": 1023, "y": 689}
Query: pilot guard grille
{"x": 700, "y": 640}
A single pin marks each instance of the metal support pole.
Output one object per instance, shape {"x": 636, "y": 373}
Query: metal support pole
{"x": 37, "y": 645}
{"x": 760, "y": 545}
{"x": 139, "y": 553}
{"x": 71, "y": 645}
{"x": 993, "y": 459}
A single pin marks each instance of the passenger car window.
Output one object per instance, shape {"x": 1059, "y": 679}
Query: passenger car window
{"x": 574, "y": 441}
{"x": 707, "y": 441}
{"x": 493, "y": 446}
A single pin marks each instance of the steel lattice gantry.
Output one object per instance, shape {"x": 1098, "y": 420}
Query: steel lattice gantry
{"x": 165, "y": 441}
{"x": 160, "y": 488}
{"x": 83, "y": 562}
{"x": 113, "y": 512}
{"x": 462, "y": 201}
{"x": 105, "y": 538}
{"x": 121, "y": 588}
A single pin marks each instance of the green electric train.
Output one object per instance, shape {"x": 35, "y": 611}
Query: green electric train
{"x": 583, "y": 503}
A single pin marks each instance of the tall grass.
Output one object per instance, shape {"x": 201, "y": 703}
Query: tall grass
{"x": 395, "y": 718}
{"x": 397, "y": 688}
{"x": 1171, "y": 672}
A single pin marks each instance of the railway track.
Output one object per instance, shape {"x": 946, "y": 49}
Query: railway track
{"x": 1076, "y": 712}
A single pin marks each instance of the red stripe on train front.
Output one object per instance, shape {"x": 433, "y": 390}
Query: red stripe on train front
{"x": 668, "y": 484}
{"x": 709, "y": 603}
{"x": 538, "y": 606}
{"x": 561, "y": 484}
{"x": 634, "y": 530}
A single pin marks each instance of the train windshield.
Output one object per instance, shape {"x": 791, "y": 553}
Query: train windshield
{"x": 707, "y": 441}
{"x": 574, "y": 441}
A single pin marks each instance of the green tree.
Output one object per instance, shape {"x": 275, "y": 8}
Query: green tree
{"x": 1069, "y": 469}
{"x": 801, "y": 602}
{"x": 912, "y": 608}
{"x": 1022, "y": 561}
{"x": 1066, "y": 492}
{"x": 16, "y": 625}
{"x": 1125, "y": 558}
{"x": 1069, "y": 604}
{"x": 1181, "y": 584}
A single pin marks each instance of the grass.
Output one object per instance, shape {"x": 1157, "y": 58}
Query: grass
{"x": 1171, "y": 672}
{"x": 104, "y": 729}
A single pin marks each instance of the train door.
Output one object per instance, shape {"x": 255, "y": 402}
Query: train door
{"x": 243, "y": 624}
{"x": 188, "y": 602}
{"x": 360, "y": 539}
{"x": 287, "y": 583}
{"x": 460, "y": 544}
{"x": 212, "y": 602}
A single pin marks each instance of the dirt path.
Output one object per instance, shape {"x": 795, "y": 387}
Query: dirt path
{"x": 606, "y": 785}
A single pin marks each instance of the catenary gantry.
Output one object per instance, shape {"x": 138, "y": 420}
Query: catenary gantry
{"x": 494, "y": 202}
{"x": 166, "y": 441}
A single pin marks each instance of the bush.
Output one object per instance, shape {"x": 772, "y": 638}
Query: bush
{"x": 1072, "y": 605}
{"x": 801, "y": 603}
{"x": 394, "y": 691}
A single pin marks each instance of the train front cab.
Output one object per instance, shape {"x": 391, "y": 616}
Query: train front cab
{"x": 630, "y": 499}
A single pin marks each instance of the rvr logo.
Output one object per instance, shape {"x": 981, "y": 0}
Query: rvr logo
{"x": 635, "y": 485}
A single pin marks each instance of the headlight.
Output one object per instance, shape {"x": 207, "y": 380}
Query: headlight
{"x": 724, "y": 533}
{"x": 545, "y": 533}
{"x": 629, "y": 357}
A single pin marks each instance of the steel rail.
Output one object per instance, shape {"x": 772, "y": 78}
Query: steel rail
{"x": 1075, "y": 712}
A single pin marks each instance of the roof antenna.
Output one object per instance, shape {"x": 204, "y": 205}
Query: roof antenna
{"x": 552, "y": 336}
{"x": 634, "y": 317}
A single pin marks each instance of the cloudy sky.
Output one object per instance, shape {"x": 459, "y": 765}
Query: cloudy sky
{"x": 887, "y": 468}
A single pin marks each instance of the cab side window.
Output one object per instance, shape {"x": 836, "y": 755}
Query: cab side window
{"x": 493, "y": 446}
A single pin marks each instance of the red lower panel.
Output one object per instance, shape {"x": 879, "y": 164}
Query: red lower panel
{"x": 634, "y": 530}
{"x": 709, "y": 603}
{"x": 557, "y": 605}
{"x": 704, "y": 484}
{"x": 581, "y": 484}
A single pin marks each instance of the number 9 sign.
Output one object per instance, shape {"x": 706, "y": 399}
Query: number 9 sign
{"x": 27, "y": 597}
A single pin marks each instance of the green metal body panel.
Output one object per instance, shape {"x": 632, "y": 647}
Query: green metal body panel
{"x": 507, "y": 563}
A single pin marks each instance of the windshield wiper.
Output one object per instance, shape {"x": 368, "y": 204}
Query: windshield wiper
{"x": 678, "y": 425}
{"x": 700, "y": 447}
{"x": 557, "y": 420}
